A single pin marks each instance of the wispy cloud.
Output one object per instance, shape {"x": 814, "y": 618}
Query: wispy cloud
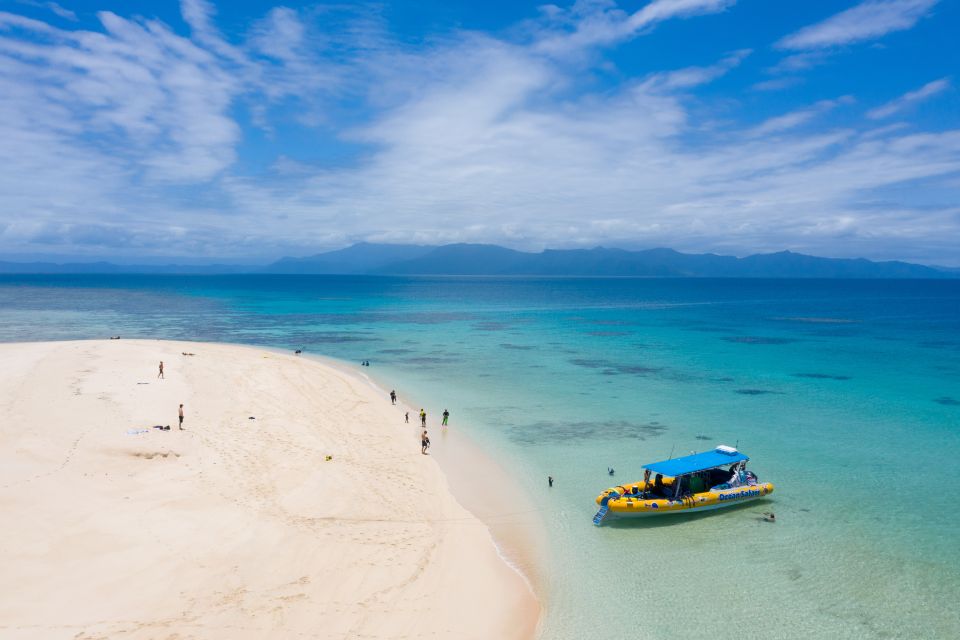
{"x": 798, "y": 62}
{"x": 66, "y": 14}
{"x": 798, "y": 117}
{"x": 695, "y": 76}
{"x": 591, "y": 24}
{"x": 776, "y": 84}
{"x": 167, "y": 96}
{"x": 127, "y": 137}
{"x": 866, "y": 21}
{"x": 909, "y": 99}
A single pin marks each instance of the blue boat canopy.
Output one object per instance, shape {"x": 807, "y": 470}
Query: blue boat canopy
{"x": 697, "y": 462}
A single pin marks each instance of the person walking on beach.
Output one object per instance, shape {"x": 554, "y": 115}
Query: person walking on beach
{"x": 423, "y": 418}
{"x": 393, "y": 397}
{"x": 446, "y": 416}
{"x": 181, "y": 417}
{"x": 424, "y": 442}
{"x": 160, "y": 375}
{"x": 406, "y": 417}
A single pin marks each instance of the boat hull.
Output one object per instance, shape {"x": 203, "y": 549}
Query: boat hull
{"x": 628, "y": 506}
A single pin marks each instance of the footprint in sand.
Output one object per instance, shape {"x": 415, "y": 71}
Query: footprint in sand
{"x": 150, "y": 455}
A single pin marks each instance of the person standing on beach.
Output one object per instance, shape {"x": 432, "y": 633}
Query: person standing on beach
{"x": 446, "y": 416}
{"x": 406, "y": 417}
{"x": 423, "y": 418}
{"x": 424, "y": 442}
{"x": 181, "y": 417}
{"x": 393, "y": 397}
{"x": 160, "y": 375}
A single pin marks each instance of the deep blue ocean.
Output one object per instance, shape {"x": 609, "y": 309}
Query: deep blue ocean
{"x": 846, "y": 395}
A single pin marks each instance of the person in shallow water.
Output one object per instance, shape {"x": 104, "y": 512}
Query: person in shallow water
{"x": 446, "y": 416}
{"x": 393, "y": 397}
{"x": 550, "y": 480}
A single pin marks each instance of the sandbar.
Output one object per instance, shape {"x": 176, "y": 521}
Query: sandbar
{"x": 294, "y": 504}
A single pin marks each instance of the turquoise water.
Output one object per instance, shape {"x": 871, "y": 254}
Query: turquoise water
{"x": 846, "y": 394}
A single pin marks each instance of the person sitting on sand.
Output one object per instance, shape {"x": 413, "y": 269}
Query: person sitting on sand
{"x": 424, "y": 442}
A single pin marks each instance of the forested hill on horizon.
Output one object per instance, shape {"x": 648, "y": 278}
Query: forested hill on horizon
{"x": 492, "y": 260}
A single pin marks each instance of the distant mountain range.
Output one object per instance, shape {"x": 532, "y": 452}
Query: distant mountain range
{"x": 492, "y": 260}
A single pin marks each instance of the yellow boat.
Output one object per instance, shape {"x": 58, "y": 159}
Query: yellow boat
{"x": 698, "y": 482}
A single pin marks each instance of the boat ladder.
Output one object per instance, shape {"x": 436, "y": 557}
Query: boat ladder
{"x": 601, "y": 514}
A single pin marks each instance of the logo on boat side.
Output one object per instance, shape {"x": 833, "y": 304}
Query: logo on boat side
{"x": 743, "y": 494}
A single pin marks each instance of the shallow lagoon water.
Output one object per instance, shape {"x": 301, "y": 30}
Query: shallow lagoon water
{"x": 846, "y": 394}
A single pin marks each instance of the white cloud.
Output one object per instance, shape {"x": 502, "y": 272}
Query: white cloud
{"x": 909, "y": 99}
{"x": 165, "y": 95}
{"x": 866, "y": 21}
{"x": 798, "y": 117}
{"x": 800, "y": 62}
{"x": 126, "y": 138}
{"x": 199, "y": 14}
{"x": 66, "y": 14}
{"x": 602, "y": 23}
{"x": 776, "y": 84}
{"x": 695, "y": 76}
{"x": 660, "y": 10}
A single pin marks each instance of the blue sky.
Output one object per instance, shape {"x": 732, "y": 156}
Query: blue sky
{"x": 246, "y": 131}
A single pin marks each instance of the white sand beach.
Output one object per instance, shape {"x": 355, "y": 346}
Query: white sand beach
{"x": 238, "y": 526}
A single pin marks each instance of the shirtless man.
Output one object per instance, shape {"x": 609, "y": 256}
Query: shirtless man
{"x": 160, "y": 375}
{"x": 181, "y": 417}
{"x": 424, "y": 442}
